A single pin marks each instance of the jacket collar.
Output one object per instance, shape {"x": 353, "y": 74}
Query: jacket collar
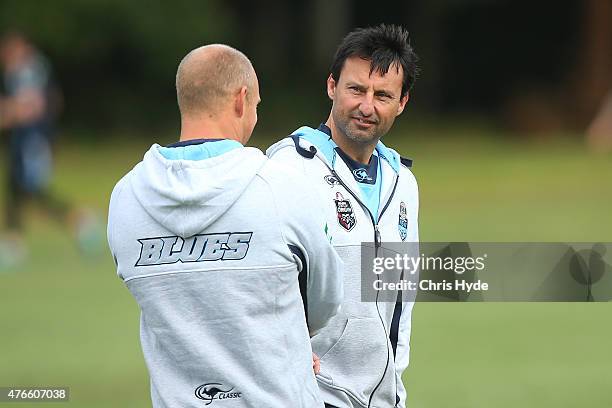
{"x": 321, "y": 138}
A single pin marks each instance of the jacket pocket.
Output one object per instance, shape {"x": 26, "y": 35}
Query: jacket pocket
{"x": 357, "y": 361}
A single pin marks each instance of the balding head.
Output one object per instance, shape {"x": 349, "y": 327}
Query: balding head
{"x": 209, "y": 76}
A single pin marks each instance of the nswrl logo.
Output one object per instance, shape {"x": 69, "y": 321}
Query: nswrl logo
{"x": 210, "y": 392}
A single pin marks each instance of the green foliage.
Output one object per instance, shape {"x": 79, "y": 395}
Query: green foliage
{"x": 116, "y": 60}
{"x": 87, "y": 31}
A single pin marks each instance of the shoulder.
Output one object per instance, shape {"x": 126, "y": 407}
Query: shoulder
{"x": 405, "y": 170}
{"x": 289, "y": 184}
{"x": 297, "y": 153}
{"x": 307, "y": 143}
{"x": 116, "y": 213}
{"x": 125, "y": 183}
{"x": 288, "y": 148}
{"x": 284, "y": 176}
{"x": 278, "y": 172}
{"x": 279, "y": 146}
{"x": 408, "y": 182}
{"x": 118, "y": 190}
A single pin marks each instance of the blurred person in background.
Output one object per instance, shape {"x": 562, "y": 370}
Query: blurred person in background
{"x": 370, "y": 195}
{"x": 29, "y": 106}
{"x": 216, "y": 243}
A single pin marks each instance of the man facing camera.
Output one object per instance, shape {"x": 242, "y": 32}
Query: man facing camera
{"x": 224, "y": 251}
{"x": 370, "y": 195}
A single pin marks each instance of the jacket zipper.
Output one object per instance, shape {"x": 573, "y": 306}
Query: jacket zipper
{"x": 377, "y": 244}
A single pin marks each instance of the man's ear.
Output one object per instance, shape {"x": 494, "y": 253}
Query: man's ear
{"x": 331, "y": 87}
{"x": 403, "y": 102}
{"x": 240, "y": 101}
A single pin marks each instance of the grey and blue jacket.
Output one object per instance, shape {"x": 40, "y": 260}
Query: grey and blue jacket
{"x": 365, "y": 348}
{"x": 228, "y": 259}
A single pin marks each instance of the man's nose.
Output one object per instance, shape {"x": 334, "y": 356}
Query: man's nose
{"x": 366, "y": 107}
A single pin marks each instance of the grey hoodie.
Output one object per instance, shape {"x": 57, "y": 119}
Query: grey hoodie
{"x": 211, "y": 250}
{"x": 365, "y": 348}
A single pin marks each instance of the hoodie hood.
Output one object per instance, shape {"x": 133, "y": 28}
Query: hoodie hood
{"x": 186, "y": 196}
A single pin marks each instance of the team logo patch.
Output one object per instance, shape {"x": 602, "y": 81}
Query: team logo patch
{"x": 403, "y": 222}
{"x": 346, "y": 216}
{"x": 210, "y": 392}
{"x": 331, "y": 180}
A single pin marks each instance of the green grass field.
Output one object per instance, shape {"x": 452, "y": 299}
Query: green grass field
{"x": 69, "y": 321}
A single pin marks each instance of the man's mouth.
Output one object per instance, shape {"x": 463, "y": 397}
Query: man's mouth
{"x": 363, "y": 122}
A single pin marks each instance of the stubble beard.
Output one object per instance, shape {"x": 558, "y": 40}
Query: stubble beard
{"x": 357, "y": 136}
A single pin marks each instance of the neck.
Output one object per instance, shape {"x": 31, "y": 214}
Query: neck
{"x": 359, "y": 152}
{"x": 208, "y": 128}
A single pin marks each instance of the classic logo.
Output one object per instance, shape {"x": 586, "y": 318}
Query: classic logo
{"x": 346, "y": 216}
{"x": 403, "y": 221}
{"x": 331, "y": 180}
{"x": 199, "y": 248}
{"x": 361, "y": 175}
{"x": 215, "y": 391}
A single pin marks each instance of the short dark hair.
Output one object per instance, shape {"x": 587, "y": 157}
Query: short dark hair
{"x": 383, "y": 45}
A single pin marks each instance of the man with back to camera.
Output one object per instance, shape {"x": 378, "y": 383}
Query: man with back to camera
{"x": 205, "y": 238}
{"x": 369, "y": 195}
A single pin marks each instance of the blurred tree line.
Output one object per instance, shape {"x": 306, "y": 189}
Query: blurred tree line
{"x": 529, "y": 65}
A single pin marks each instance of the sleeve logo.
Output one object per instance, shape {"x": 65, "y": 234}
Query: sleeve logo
{"x": 402, "y": 226}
